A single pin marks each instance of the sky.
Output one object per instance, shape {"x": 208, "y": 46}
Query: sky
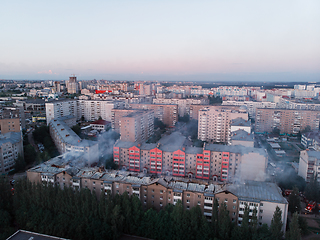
{"x": 172, "y": 40}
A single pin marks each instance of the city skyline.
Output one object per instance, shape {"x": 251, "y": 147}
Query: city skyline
{"x": 167, "y": 41}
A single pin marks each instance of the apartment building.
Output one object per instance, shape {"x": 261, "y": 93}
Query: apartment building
{"x": 60, "y": 108}
{"x": 194, "y": 110}
{"x": 286, "y": 120}
{"x": 309, "y": 164}
{"x": 137, "y": 126}
{"x": 158, "y": 192}
{"x": 11, "y": 146}
{"x": 67, "y": 141}
{"x": 73, "y": 85}
{"x": 92, "y": 110}
{"x": 311, "y": 140}
{"x": 301, "y": 104}
{"x": 172, "y": 156}
{"x": 9, "y": 125}
{"x": 12, "y": 119}
{"x": 214, "y": 123}
{"x": 183, "y": 104}
{"x": 167, "y": 113}
{"x": 251, "y": 105}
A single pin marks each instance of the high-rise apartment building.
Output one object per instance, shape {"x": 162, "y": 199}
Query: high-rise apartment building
{"x": 72, "y": 85}
{"x": 11, "y": 146}
{"x": 287, "y": 121}
{"x": 167, "y": 113}
{"x": 183, "y": 104}
{"x": 309, "y": 165}
{"x": 61, "y": 108}
{"x": 137, "y": 126}
{"x": 214, "y": 123}
{"x": 92, "y": 110}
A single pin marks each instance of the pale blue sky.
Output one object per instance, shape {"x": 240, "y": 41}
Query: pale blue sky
{"x": 161, "y": 40}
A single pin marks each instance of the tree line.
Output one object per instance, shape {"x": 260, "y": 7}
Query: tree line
{"x": 80, "y": 215}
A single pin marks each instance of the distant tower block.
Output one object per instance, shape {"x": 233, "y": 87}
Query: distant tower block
{"x": 72, "y": 85}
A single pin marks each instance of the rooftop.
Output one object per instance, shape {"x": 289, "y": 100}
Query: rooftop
{"x": 257, "y": 191}
{"x": 12, "y": 137}
{"x": 241, "y": 135}
{"x": 101, "y": 122}
{"x": 240, "y": 122}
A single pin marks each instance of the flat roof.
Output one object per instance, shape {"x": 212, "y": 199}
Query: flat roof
{"x": 257, "y": 191}
{"x": 242, "y": 135}
{"x": 240, "y": 122}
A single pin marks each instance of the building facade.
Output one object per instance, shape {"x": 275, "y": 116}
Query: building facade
{"x": 67, "y": 141}
{"x": 167, "y": 113}
{"x": 159, "y": 192}
{"x": 214, "y": 123}
{"x": 170, "y": 156}
{"x": 287, "y": 121}
{"x": 11, "y": 146}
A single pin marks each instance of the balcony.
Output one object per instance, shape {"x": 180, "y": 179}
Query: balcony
{"x": 207, "y": 207}
{"x": 208, "y": 201}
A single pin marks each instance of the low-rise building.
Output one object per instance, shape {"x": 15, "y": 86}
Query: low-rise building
{"x": 100, "y": 125}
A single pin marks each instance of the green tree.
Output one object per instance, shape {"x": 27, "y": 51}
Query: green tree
{"x": 20, "y": 164}
{"x": 312, "y": 190}
{"x": 276, "y": 225}
{"x": 294, "y": 201}
{"x": 224, "y": 222}
{"x": 29, "y": 154}
{"x": 215, "y": 218}
{"x": 303, "y": 225}
{"x": 294, "y": 232}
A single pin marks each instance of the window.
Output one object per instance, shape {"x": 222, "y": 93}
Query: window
{"x": 226, "y": 200}
{"x": 261, "y": 204}
{"x": 169, "y": 192}
{"x": 188, "y": 194}
{"x": 199, "y": 203}
{"x": 260, "y": 217}
{"x": 188, "y": 201}
{"x": 261, "y": 211}
{"x": 199, "y": 196}
{"x": 161, "y": 191}
{"x": 128, "y": 187}
{"x": 152, "y": 190}
{"x": 233, "y": 207}
{"x": 234, "y": 200}
{"x": 152, "y": 196}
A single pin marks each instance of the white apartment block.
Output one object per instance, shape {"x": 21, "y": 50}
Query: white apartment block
{"x": 309, "y": 165}
{"x": 251, "y": 105}
{"x": 11, "y": 146}
{"x": 299, "y": 105}
{"x": 92, "y": 110}
{"x": 214, "y": 123}
{"x": 61, "y": 108}
{"x": 183, "y": 104}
